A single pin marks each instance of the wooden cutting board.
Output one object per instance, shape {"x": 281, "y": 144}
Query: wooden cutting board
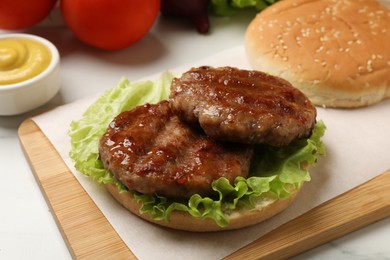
{"x": 88, "y": 234}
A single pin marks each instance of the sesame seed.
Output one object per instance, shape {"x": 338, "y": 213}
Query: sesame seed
{"x": 321, "y": 48}
{"x": 372, "y": 24}
{"x": 298, "y": 39}
{"x": 324, "y": 38}
{"x": 363, "y": 9}
{"x": 369, "y": 66}
{"x": 305, "y": 32}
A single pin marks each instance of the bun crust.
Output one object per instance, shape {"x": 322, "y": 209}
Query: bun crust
{"x": 264, "y": 209}
{"x": 335, "y": 51}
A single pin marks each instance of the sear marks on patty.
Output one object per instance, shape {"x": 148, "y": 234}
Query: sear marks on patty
{"x": 149, "y": 149}
{"x": 242, "y": 106}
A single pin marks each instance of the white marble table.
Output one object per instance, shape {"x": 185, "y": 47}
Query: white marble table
{"x": 27, "y": 228}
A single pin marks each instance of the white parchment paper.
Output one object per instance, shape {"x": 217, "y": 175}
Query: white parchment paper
{"x": 357, "y": 142}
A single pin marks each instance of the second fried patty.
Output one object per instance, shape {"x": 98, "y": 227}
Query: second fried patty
{"x": 242, "y": 106}
{"x": 149, "y": 149}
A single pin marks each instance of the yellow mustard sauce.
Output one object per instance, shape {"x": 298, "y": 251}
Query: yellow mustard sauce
{"x": 22, "y": 59}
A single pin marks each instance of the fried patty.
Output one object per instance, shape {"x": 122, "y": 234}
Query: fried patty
{"x": 242, "y": 106}
{"x": 149, "y": 149}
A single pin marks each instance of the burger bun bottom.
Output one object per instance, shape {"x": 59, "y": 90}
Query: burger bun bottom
{"x": 265, "y": 208}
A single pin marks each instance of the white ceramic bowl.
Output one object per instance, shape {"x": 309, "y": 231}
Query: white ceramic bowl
{"x": 21, "y": 97}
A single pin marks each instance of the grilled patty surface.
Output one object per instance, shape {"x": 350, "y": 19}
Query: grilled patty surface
{"x": 149, "y": 149}
{"x": 242, "y": 106}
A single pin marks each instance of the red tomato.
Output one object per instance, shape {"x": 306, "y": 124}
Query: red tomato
{"x": 19, "y": 14}
{"x": 110, "y": 24}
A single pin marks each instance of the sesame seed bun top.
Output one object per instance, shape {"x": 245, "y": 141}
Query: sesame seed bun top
{"x": 335, "y": 51}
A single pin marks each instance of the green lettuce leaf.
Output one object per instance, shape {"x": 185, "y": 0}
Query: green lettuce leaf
{"x": 274, "y": 171}
{"x": 230, "y": 7}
